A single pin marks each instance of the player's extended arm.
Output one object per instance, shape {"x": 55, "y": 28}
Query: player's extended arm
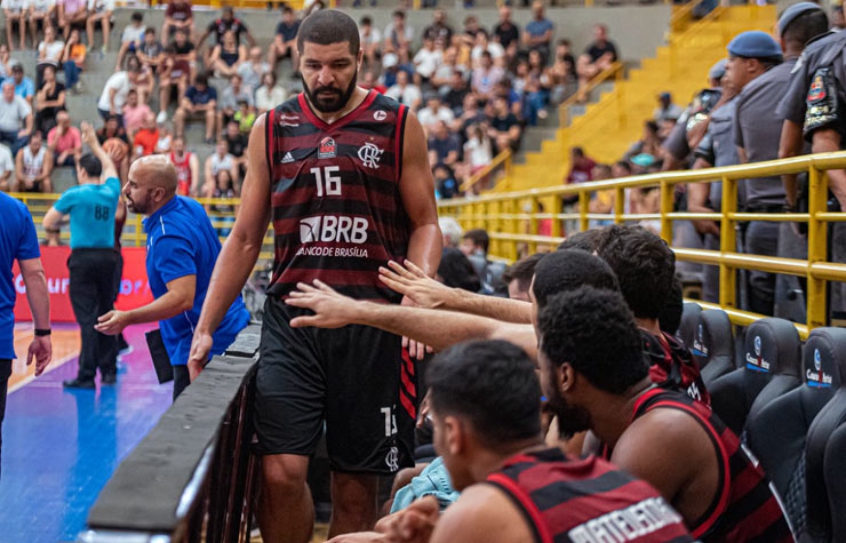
{"x": 426, "y": 292}
{"x": 89, "y": 137}
{"x": 438, "y": 329}
{"x": 417, "y": 190}
{"x": 241, "y": 250}
{"x": 178, "y": 298}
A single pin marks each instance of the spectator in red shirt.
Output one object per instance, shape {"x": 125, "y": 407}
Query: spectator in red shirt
{"x": 144, "y": 143}
{"x": 64, "y": 141}
{"x": 581, "y": 169}
{"x": 178, "y": 16}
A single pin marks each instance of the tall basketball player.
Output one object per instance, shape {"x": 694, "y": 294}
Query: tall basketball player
{"x": 343, "y": 174}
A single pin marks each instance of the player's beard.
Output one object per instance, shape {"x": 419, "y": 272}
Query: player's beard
{"x": 571, "y": 418}
{"x": 335, "y": 103}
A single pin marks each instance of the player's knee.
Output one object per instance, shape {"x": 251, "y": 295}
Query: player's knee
{"x": 284, "y": 474}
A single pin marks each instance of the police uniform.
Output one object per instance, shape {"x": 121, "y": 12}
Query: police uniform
{"x": 815, "y": 99}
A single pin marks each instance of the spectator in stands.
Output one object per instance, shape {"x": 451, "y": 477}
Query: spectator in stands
{"x": 405, "y": 92}
{"x": 116, "y": 90}
{"x": 371, "y": 41}
{"x": 221, "y": 159}
{"x": 134, "y": 112}
{"x": 439, "y": 29}
{"x": 252, "y": 70}
{"x": 285, "y": 42}
{"x": 24, "y": 87}
{"x": 581, "y": 167}
{"x": 219, "y": 27}
{"x": 442, "y": 78}
{"x": 236, "y": 144}
{"x": 562, "y": 72}
{"x": 477, "y": 151}
{"x": 200, "y": 101}
{"x": 539, "y": 31}
{"x": 505, "y": 130}
{"x": 269, "y": 95}
{"x": 145, "y": 140}
{"x": 74, "y": 56}
{"x": 178, "y": 16}
{"x": 446, "y": 185}
{"x": 150, "y": 51}
{"x": 227, "y": 58}
{"x": 370, "y": 81}
{"x": 41, "y": 13}
{"x": 475, "y": 242}
{"x": 467, "y": 39}
{"x": 426, "y": 62}
{"x": 666, "y": 110}
{"x": 50, "y": 53}
{"x": 444, "y": 147}
{"x": 456, "y": 92}
{"x": 649, "y": 143}
{"x": 245, "y": 117}
{"x": 598, "y": 57}
{"x": 398, "y": 34}
{"x": 185, "y": 54}
{"x": 99, "y": 15}
{"x": 471, "y": 114}
{"x": 229, "y": 99}
{"x": 486, "y": 76}
{"x": 15, "y": 11}
{"x": 187, "y": 168}
{"x": 222, "y": 188}
{"x": 65, "y": 141}
{"x": 7, "y": 169}
{"x": 72, "y": 15}
{"x": 6, "y": 61}
{"x": 173, "y": 76}
{"x": 451, "y": 232}
{"x": 484, "y": 44}
{"x": 506, "y": 32}
{"x": 131, "y": 38}
{"x": 456, "y": 271}
{"x": 165, "y": 143}
{"x": 50, "y": 100}
{"x": 16, "y": 120}
{"x": 518, "y": 277}
{"x": 33, "y": 166}
{"x": 434, "y": 112}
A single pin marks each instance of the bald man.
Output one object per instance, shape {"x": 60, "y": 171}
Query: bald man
{"x": 182, "y": 248}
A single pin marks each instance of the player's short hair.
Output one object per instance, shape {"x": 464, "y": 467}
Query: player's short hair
{"x": 479, "y": 237}
{"x": 522, "y": 271}
{"x": 568, "y": 270}
{"x": 644, "y": 265}
{"x": 493, "y": 385}
{"x": 587, "y": 240}
{"x": 91, "y": 165}
{"x": 329, "y": 26}
{"x": 593, "y": 331}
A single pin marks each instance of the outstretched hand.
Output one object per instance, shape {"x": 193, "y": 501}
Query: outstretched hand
{"x": 331, "y": 310}
{"x": 412, "y": 282}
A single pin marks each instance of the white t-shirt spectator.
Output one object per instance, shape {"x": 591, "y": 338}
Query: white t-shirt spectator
{"x": 120, "y": 82}
{"x": 375, "y": 37}
{"x": 133, "y": 34}
{"x": 99, "y": 6}
{"x": 428, "y": 118}
{"x": 51, "y": 52}
{"x": 477, "y": 153}
{"x": 389, "y": 32}
{"x": 15, "y": 6}
{"x": 409, "y": 96}
{"x": 42, "y": 6}
{"x": 269, "y": 99}
{"x": 494, "y": 49}
{"x": 219, "y": 164}
{"x": 12, "y": 115}
{"x": 485, "y": 81}
{"x": 7, "y": 163}
{"x": 426, "y": 62}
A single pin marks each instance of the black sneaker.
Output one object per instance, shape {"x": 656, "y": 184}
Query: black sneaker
{"x": 76, "y": 383}
{"x": 108, "y": 379}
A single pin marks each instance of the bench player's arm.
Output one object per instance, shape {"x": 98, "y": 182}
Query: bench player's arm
{"x": 241, "y": 250}
{"x": 438, "y": 329}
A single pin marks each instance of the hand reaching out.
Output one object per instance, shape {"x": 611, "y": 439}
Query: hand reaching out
{"x": 413, "y": 283}
{"x": 331, "y": 310}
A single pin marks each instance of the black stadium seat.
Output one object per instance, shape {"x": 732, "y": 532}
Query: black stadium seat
{"x": 772, "y": 357}
{"x": 689, "y": 322}
{"x": 777, "y": 434}
{"x": 713, "y": 345}
{"x": 820, "y": 484}
{"x": 835, "y": 476}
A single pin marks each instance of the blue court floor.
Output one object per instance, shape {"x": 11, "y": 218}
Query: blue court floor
{"x": 60, "y": 447}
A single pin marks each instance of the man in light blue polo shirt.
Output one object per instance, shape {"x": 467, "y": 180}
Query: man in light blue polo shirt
{"x": 92, "y": 206}
{"x": 182, "y": 248}
{"x": 18, "y": 241}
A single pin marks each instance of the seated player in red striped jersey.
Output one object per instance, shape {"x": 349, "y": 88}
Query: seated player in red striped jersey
{"x": 486, "y": 413}
{"x": 594, "y": 377}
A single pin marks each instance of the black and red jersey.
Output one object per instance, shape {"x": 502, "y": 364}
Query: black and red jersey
{"x": 336, "y": 207}
{"x": 585, "y": 500}
{"x": 672, "y": 367}
{"x": 744, "y": 508}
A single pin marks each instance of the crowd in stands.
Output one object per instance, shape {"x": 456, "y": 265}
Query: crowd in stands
{"x": 475, "y": 88}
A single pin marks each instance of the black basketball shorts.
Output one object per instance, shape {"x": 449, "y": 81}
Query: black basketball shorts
{"x": 356, "y": 379}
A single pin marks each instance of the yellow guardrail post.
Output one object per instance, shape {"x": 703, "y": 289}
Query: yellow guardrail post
{"x": 513, "y": 227}
{"x": 619, "y": 204}
{"x": 533, "y": 224}
{"x": 496, "y": 224}
{"x": 817, "y": 247}
{"x": 584, "y": 209}
{"x": 728, "y": 243}
{"x": 556, "y": 209}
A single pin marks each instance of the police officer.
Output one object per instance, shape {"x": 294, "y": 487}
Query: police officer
{"x": 812, "y": 107}
{"x": 757, "y": 132}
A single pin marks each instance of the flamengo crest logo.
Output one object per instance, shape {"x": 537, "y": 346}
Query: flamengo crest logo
{"x": 370, "y": 156}
{"x": 326, "y": 148}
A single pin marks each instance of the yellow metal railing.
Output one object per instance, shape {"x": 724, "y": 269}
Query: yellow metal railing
{"x": 483, "y": 179}
{"x": 513, "y": 221}
{"x": 615, "y": 70}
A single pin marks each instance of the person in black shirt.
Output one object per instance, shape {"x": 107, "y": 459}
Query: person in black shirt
{"x": 505, "y": 128}
{"x": 285, "y": 42}
{"x": 221, "y": 26}
{"x": 439, "y": 28}
{"x": 454, "y": 98}
{"x": 506, "y": 32}
{"x": 599, "y": 56}
{"x": 236, "y": 142}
